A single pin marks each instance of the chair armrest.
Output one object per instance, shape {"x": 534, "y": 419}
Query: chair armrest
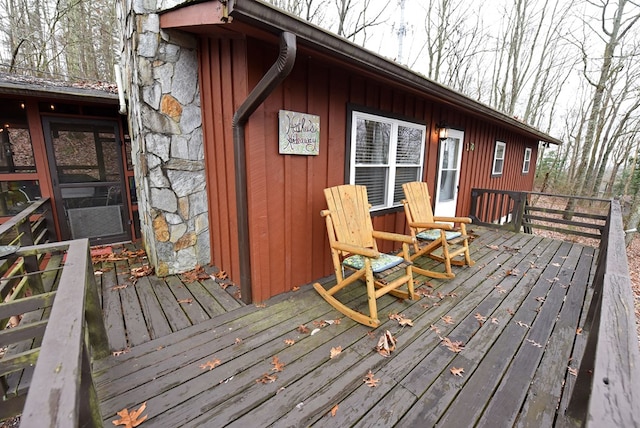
{"x": 393, "y": 237}
{"x": 355, "y": 249}
{"x": 445, "y": 226}
{"x": 454, "y": 219}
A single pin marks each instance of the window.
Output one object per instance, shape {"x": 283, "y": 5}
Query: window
{"x": 527, "y": 160}
{"x": 498, "y": 158}
{"x": 385, "y": 153}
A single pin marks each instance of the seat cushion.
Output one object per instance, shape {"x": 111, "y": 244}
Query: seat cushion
{"x": 382, "y": 263}
{"x": 433, "y": 234}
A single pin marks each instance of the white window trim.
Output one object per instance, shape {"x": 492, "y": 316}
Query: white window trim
{"x": 495, "y": 157}
{"x": 395, "y": 123}
{"x": 526, "y": 163}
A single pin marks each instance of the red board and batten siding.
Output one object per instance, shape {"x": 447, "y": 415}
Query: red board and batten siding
{"x": 289, "y": 245}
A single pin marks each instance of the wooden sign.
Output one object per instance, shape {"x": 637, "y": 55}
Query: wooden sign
{"x": 299, "y": 133}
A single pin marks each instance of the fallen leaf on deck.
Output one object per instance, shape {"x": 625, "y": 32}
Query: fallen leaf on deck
{"x": 221, "y": 275}
{"x": 452, "y": 346}
{"x": 238, "y": 341}
{"x": 512, "y": 272}
{"x": 386, "y": 344}
{"x": 315, "y": 330}
{"x": 447, "y": 319}
{"x": 435, "y": 329}
{"x": 521, "y": 324}
{"x": 500, "y": 289}
{"x": 267, "y": 378}
{"x": 481, "y": 319}
{"x": 572, "y": 371}
{"x": 423, "y": 292}
{"x": 457, "y": 371}
{"x": 335, "y": 351}
{"x": 295, "y": 289}
{"x": 555, "y": 264}
{"x": 139, "y": 272}
{"x": 119, "y": 287}
{"x": 303, "y": 329}
{"x": 495, "y": 320}
{"x": 289, "y": 342}
{"x": 579, "y": 331}
{"x": 493, "y": 247}
{"x": 425, "y": 305}
{"x": 237, "y": 295}
{"x": 277, "y": 364}
{"x": 402, "y": 320}
{"x": 371, "y": 381}
{"x": 334, "y": 410}
{"x": 121, "y": 352}
{"x": 540, "y": 299}
{"x": 534, "y": 343}
{"x": 320, "y": 323}
{"x": 185, "y": 301}
{"x": 131, "y": 419}
{"x": 261, "y": 305}
{"x": 510, "y": 311}
{"x": 210, "y": 364}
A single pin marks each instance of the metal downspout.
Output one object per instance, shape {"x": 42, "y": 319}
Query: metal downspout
{"x": 276, "y": 74}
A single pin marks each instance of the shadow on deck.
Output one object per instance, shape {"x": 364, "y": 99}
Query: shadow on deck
{"x": 518, "y": 313}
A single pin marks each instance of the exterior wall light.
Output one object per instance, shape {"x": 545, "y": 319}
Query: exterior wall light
{"x": 443, "y": 131}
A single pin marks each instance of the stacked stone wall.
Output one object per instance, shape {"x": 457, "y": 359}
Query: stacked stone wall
{"x": 160, "y": 70}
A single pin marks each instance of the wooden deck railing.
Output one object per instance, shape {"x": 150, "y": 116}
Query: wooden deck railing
{"x": 605, "y": 392}
{"x": 50, "y": 326}
{"x": 525, "y": 211}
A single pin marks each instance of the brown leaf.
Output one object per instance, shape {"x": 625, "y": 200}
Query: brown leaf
{"x": 386, "y": 344}
{"x": 131, "y": 419}
{"x": 185, "y": 301}
{"x": 238, "y": 341}
{"x": 512, "y": 272}
{"x": 277, "y": 364}
{"x": 335, "y": 351}
{"x": 457, "y": 371}
{"x": 210, "y": 364}
{"x": 579, "y": 331}
{"x": 495, "y": 320}
{"x": 221, "y": 275}
{"x": 139, "y": 272}
{"x": 119, "y": 287}
{"x": 500, "y": 289}
{"x": 521, "y": 324}
{"x": 295, "y": 289}
{"x": 452, "y": 346}
{"x": 534, "y": 343}
{"x": 289, "y": 342}
{"x": 481, "y": 319}
{"x": 435, "y": 329}
{"x": 267, "y": 378}
{"x": 121, "y": 352}
{"x": 572, "y": 371}
{"x": 423, "y": 292}
{"x": 334, "y": 410}
{"x": 447, "y": 319}
{"x": 370, "y": 381}
{"x": 303, "y": 329}
{"x": 493, "y": 247}
{"x": 194, "y": 275}
{"x": 401, "y": 319}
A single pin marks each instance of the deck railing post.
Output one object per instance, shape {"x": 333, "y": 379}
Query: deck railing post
{"x": 98, "y": 338}
{"x": 30, "y": 262}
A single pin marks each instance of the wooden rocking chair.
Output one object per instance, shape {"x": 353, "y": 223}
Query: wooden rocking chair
{"x": 353, "y": 246}
{"x": 425, "y": 227}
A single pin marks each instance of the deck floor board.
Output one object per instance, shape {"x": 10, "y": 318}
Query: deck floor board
{"x": 539, "y": 282}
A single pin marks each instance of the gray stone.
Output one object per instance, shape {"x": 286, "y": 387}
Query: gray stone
{"x": 159, "y": 145}
{"x": 185, "y": 260}
{"x": 164, "y": 199}
{"x": 185, "y": 182}
{"x": 151, "y": 95}
{"x": 153, "y": 161}
{"x": 144, "y": 6}
{"x": 186, "y": 77}
{"x": 196, "y": 147}
{"x": 201, "y": 222}
{"x": 165, "y": 251}
{"x": 148, "y": 45}
{"x": 173, "y": 219}
{"x": 179, "y": 147}
{"x": 203, "y": 248}
{"x": 191, "y": 119}
{"x": 177, "y": 231}
{"x": 184, "y": 165}
{"x": 151, "y": 23}
{"x": 169, "y": 52}
{"x": 180, "y": 38}
{"x": 145, "y": 72}
{"x": 198, "y": 203}
{"x": 163, "y": 74}
{"x": 157, "y": 178}
{"x": 158, "y": 122}
{"x": 170, "y": 4}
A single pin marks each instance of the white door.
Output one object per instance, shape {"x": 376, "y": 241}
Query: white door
{"x": 449, "y": 156}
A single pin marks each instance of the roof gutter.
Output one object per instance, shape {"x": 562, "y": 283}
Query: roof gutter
{"x": 265, "y": 16}
{"x": 274, "y": 76}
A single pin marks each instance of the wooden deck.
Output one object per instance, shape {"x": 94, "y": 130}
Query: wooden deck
{"x": 518, "y": 312}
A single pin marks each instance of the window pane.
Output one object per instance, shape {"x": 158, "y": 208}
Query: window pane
{"x": 376, "y": 181}
{"x": 372, "y": 142}
{"x": 16, "y": 153}
{"x": 450, "y": 154}
{"x": 500, "y": 151}
{"x": 498, "y": 167}
{"x": 16, "y": 195}
{"x": 409, "y": 145}
{"x": 403, "y": 175}
{"x": 447, "y": 186}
